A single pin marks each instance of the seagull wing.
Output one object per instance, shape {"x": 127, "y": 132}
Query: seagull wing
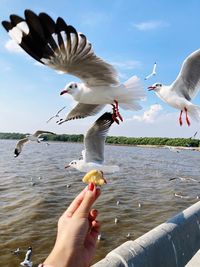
{"x": 187, "y": 82}
{"x": 60, "y": 47}
{"x": 50, "y": 118}
{"x": 60, "y": 110}
{"x": 81, "y": 111}
{"x": 154, "y": 69}
{"x": 94, "y": 140}
{"x": 40, "y": 132}
{"x": 148, "y": 76}
{"x": 19, "y": 146}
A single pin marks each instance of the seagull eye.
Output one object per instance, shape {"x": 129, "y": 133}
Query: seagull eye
{"x": 75, "y": 85}
{"x": 70, "y": 86}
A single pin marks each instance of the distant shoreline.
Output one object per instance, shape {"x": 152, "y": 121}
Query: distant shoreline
{"x": 148, "y": 142}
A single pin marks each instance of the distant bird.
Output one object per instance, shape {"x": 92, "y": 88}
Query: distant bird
{"x": 94, "y": 142}
{"x": 181, "y": 196}
{"x": 153, "y": 73}
{"x": 16, "y": 252}
{"x": 116, "y": 220}
{"x": 32, "y": 137}
{"x": 56, "y": 115}
{"x": 139, "y": 205}
{"x": 183, "y": 179}
{"x": 118, "y": 202}
{"x": 183, "y": 89}
{"x": 61, "y": 47}
{"x": 27, "y": 260}
{"x": 173, "y": 149}
{"x": 128, "y": 236}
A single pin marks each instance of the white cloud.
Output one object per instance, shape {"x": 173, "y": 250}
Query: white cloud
{"x": 150, "y": 115}
{"x": 13, "y": 47}
{"x": 150, "y": 25}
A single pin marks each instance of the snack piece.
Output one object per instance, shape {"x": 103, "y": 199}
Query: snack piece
{"x": 94, "y": 176}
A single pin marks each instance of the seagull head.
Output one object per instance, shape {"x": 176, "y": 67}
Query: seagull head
{"x": 73, "y": 164}
{"x": 155, "y": 87}
{"x": 70, "y": 88}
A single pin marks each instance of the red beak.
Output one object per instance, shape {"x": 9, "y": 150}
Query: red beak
{"x": 63, "y": 92}
{"x": 150, "y": 88}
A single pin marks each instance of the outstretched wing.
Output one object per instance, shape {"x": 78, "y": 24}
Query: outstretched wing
{"x": 94, "y": 140}
{"x": 188, "y": 80}
{"x": 60, "y": 47}
{"x": 19, "y": 146}
{"x": 40, "y": 132}
{"x": 81, "y": 111}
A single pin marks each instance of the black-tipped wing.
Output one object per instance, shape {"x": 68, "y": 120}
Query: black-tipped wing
{"x": 19, "y": 146}
{"x": 60, "y": 47}
{"x": 81, "y": 111}
{"x": 94, "y": 140}
{"x": 187, "y": 82}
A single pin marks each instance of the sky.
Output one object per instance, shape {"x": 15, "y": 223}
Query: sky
{"x": 131, "y": 35}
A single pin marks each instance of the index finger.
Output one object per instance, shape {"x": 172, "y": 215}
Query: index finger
{"x": 76, "y": 202}
{"x": 87, "y": 202}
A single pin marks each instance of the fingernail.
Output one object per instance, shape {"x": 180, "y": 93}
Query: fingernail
{"x": 91, "y": 186}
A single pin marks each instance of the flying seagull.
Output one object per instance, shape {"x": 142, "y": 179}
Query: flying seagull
{"x": 153, "y": 73}
{"x": 183, "y": 89}
{"x": 56, "y": 115}
{"x": 173, "y": 149}
{"x": 32, "y": 137}
{"x": 61, "y": 47}
{"x": 94, "y": 142}
{"x": 27, "y": 260}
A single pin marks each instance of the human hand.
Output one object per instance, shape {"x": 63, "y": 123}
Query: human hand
{"x": 77, "y": 232}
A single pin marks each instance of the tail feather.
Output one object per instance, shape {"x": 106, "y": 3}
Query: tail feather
{"x": 194, "y": 112}
{"x": 132, "y": 93}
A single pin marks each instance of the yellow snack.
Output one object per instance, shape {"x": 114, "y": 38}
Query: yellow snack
{"x": 94, "y": 176}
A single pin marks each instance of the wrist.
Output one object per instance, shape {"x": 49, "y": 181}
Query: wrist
{"x": 58, "y": 258}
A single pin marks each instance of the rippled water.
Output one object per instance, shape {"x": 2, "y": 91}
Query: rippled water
{"x": 29, "y": 213}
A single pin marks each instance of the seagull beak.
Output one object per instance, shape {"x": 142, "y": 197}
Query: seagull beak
{"x": 63, "y": 92}
{"x": 150, "y": 88}
{"x": 67, "y": 166}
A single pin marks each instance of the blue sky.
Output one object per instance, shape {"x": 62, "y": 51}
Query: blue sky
{"x": 130, "y": 34}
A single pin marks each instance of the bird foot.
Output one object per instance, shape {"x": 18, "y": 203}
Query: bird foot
{"x": 114, "y": 117}
{"x": 116, "y": 113}
{"x": 188, "y": 122}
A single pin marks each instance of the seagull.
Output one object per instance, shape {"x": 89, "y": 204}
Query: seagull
{"x": 173, "y": 149}
{"x": 27, "y": 260}
{"x": 94, "y": 142}
{"x": 153, "y": 73}
{"x": 181, "y": 196}
{"x": 59, "y": 46}
{"x": 183, "y": 179}
{"x": 183, "y": 89}
{"x": 16, "y": 252}
{"x": 31, "y": 137}
{"x": 116, "y": 220}
{"x": 56, "y": 115}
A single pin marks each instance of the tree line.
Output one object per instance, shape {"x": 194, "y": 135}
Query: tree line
{"x": 118, "y": 140}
